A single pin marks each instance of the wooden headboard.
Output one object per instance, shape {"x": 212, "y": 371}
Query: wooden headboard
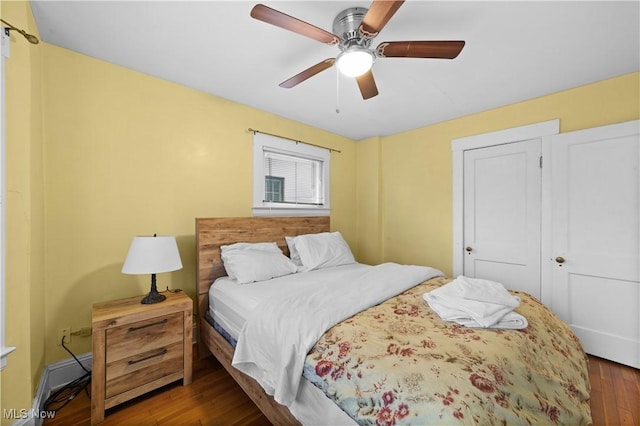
{"x": 211, "y": 233}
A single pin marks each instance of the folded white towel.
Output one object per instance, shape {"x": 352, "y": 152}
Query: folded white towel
{"x": 485, "y": 291}
{"x": 511, "y": 321}
{"x": 453, "y": 308}
{"x": 496, "y": 303}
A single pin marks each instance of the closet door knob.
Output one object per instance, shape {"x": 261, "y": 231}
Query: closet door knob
{"x": 560, "y": 259}
{"x": 468, "y": 248}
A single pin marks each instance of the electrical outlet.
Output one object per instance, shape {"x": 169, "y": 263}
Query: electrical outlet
{"x": 66, "y": 333}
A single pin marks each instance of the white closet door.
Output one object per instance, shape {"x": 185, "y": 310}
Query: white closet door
{"x": 595, "y": 198}
{"x": 502, "y": 214}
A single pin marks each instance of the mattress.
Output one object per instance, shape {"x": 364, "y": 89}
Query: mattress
{"x": 230, "y": 304}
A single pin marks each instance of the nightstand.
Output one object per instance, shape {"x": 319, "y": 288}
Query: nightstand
{"x": 138, "y": 348}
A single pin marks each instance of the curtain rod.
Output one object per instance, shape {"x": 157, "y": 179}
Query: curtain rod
{"x": 254, "y": 131}
{"x": 30, "y": 38}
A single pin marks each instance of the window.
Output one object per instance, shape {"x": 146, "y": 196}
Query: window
{"x": 273, "y": 188}
{"x": 300, "y": 176}
{"x": 290, "y": 178}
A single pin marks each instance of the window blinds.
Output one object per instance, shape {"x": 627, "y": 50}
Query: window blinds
{"x": 301, "y": 179}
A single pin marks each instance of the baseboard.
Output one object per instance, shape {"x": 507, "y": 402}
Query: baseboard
{"x": 53, "y": 377}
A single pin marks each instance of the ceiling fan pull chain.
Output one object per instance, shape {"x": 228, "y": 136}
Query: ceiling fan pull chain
{"x": 337, "y": 91}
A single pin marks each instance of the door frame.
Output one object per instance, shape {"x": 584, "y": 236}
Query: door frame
{"x": 543, "y": 130}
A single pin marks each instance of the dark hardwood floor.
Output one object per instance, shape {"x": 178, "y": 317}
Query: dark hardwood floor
{"x": 215, "y": 399}
{"x": 615, "y": 393}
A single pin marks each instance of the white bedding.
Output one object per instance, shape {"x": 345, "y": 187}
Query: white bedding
{"x": 230, "y": 304}
{"x": 281, "y": 330}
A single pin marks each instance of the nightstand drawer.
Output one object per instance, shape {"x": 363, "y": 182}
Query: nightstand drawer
{"x": 143, "y": 336}
{"x": 144, "y": 367}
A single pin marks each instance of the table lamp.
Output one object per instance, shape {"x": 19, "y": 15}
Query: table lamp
{"x": 152, "y": 255}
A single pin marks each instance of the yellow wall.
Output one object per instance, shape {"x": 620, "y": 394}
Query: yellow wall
{"x": 416, "y": 166}
{"x": 369, "y": 210}
{"x": 24, "y": 214}
{"x": 128, "y": 154}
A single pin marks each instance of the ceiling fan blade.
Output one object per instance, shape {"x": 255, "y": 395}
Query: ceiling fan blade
{"x": 367, "y": 85}
{"x": 377, "y": 17}
{"x": 420, "y": 49}
{"x": 279, "y": 19}
{"x": 309, "y": 72}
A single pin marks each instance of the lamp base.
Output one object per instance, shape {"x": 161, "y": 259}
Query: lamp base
{"x": 153, "y": 297}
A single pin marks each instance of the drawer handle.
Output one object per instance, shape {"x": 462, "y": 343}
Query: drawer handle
{"x": 162, "y": 352}
{"x": 148, "y": 325}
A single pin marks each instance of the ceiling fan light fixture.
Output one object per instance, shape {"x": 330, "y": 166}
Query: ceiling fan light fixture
{"x": 354, "y": 62}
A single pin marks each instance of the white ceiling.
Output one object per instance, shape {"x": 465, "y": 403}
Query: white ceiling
{"x": 514, "y": 51}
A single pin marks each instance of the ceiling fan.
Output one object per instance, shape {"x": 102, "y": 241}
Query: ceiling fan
{"x": 353, "y": 32}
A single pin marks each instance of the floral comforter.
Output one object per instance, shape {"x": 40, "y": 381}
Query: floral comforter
{"x": 399, "y": 363}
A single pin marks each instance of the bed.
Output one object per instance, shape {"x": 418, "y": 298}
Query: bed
{"x": 397, "y": 362}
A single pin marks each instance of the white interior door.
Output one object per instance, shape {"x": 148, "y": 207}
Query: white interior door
{"x": 595, "y": 198}
{"x": 502, "y": 214}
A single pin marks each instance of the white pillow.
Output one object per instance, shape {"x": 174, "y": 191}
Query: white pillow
{"x": 293, "y": 251}
{"x": 247, "y": 262}
{"x": 322, "y": 250}
{"x": 251, "y": 246}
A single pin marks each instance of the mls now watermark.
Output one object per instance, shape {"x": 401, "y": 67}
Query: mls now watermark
{"x": 16, "y": 414}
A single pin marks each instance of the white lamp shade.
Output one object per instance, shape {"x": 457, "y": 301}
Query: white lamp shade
{"x": 152, "y": 255}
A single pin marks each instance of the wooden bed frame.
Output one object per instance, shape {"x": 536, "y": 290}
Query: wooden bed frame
{"x": 211, "y": 233}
